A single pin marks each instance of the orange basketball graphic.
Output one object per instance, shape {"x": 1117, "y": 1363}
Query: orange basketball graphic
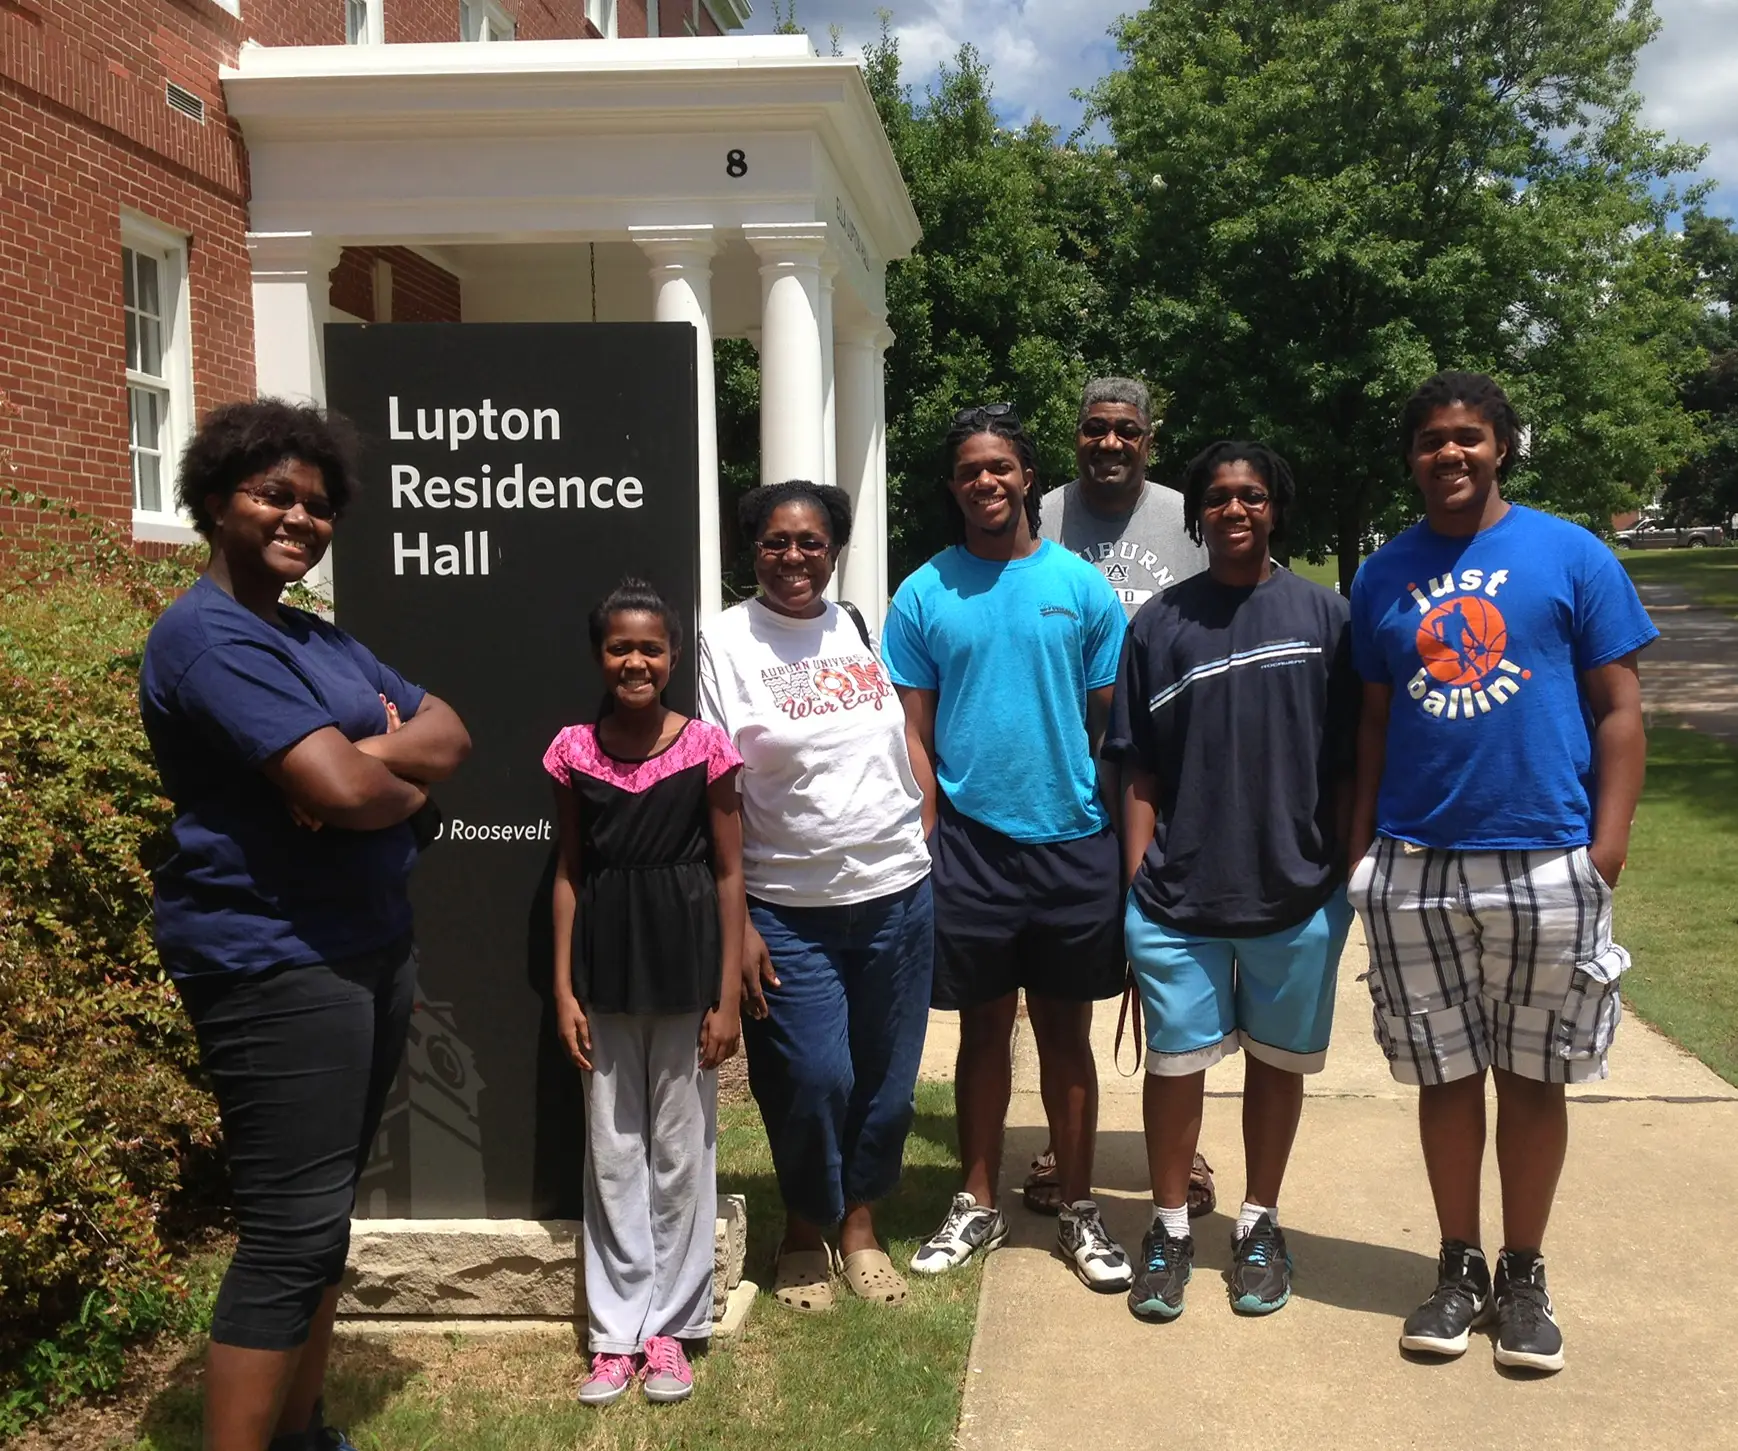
{"x": 1462, "y": 640}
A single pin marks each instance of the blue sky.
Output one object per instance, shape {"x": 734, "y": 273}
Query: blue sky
{"x": 1039, "y": 51}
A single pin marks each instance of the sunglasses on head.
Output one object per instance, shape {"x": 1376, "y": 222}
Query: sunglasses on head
{"x": 984, "y": 413}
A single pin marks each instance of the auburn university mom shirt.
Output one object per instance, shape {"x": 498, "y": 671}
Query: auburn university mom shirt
{"x": 1484, "y": 640}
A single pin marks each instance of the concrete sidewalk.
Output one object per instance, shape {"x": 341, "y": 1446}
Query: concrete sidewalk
{"x": 1636, "y": 1253}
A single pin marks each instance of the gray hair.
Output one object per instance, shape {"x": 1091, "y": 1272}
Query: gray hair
{"x": 1118, "y": 390}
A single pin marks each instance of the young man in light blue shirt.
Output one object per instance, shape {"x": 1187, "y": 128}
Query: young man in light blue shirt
{"x": 1004, "y": 650}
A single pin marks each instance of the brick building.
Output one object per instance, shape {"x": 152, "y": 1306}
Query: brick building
{"x": 191, "y": 190}
{"x": 126, "y": 279}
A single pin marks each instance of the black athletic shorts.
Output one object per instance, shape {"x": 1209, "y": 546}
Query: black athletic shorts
{"x": 1011, "y": 914}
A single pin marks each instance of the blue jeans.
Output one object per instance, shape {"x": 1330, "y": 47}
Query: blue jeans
{"x": 833, "y": 1065}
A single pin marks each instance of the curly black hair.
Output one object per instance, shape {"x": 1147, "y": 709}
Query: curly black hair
{"x": 755, "y": 507}
{"x": 1479, "y": 392}
{"x": 1004, "y": 423}
{"x": 239, "y": 440}
{"x": 637, "y": 596}
{"x": 1275, "y": 473}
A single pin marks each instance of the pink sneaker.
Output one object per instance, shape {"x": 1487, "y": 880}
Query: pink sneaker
{"x": 667, "y": 1375}
{"x": 610, "y": 1377}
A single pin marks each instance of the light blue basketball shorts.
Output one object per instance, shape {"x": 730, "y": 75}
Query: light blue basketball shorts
{"x": 1204, "y": 997}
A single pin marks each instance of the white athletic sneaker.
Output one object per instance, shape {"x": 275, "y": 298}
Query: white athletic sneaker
{"x": 1085, "y": 1242}
{"x": 969, "y": 1229}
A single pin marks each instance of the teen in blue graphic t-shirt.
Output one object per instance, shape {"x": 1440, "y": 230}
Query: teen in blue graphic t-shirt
{"x": 1500, "y": 757}
{"x": 1004, "y": 651}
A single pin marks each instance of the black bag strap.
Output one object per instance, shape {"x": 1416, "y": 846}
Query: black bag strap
{"x": 858, "y": 620}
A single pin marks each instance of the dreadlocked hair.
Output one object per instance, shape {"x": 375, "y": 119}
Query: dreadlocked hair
{"x": 1005, "y": 426}
{"x": 1479, "y": 392}
{"x": 633, "y": 596}
{"x": 1275, "y": 472}
{"x": 755, "y": 507}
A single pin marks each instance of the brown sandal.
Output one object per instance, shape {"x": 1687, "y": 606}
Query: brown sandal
{"x": 1042, "y": 1191}
{"x": 803, "y": 1280}
{"x": 871, "y": 1276}
{"x": 1201, "y": 1199}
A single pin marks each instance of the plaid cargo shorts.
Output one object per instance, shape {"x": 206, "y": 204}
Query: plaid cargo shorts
{"x": 1489, "y": 957}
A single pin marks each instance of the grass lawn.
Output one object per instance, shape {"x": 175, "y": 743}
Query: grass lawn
{"x": 861, "y": 1377}
{"x": 1710, "y": 575}
{"x": 1676, "y": 911}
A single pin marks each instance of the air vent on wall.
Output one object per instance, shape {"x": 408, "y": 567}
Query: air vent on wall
{"x": 185, "y": 101}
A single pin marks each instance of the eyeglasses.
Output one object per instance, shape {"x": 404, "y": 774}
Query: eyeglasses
{"x": 808, "y": 545}
{"x": 1252, "y": 499}
{"x": 984, "y": 413}
{"x": 283, "y": 498}
{"x": 1124, "y": 428}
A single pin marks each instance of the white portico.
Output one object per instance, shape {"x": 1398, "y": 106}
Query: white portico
{"x": 742, "y": 184}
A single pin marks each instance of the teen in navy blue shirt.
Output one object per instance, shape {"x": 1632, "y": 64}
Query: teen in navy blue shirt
{"x": 294, "y": 760}
{"x": 1500, "y": 757}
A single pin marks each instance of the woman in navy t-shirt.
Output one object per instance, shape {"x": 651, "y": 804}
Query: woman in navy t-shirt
{"x": 295, "y": 761}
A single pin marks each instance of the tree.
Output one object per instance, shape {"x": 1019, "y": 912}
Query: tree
{"x": 1330, "y": 199}
{"x": 1003, "y": 300}
{"x": 1706, "y": 489}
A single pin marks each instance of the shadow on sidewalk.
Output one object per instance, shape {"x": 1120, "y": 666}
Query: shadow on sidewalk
{"x": 1350, "y": 1274}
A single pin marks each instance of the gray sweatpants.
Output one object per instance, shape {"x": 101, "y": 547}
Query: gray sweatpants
{"x": 651, "y": 1182}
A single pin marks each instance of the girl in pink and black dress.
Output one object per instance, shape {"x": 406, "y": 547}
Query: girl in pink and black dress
{"x": 649, "y": 914}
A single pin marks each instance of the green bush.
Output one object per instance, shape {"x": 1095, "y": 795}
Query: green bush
{"x": 106, "y": 1136}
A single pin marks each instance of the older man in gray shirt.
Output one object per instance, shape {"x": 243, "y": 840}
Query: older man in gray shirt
{"x": 1113, "y": 517}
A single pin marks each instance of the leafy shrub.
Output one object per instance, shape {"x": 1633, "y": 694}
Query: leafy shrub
{"x": 106, "y": 1136}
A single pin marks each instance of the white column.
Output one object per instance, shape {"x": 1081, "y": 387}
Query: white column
{"x": 292, "y": 286}
{"x": 681, "y": 269}
{"x": 878, "y": 475}
{"x": 292, "y": 292}
{"x": 829, "y": 410}
{"x": 856, "y": 360}
{"x": 792, "y": 376}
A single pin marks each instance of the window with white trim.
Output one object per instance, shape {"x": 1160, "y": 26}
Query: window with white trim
{"x": 159, "y": 371}
{"x": 484, "y": 20}
{"x": 602, "y": 14}
{"x": 364, "y": 22}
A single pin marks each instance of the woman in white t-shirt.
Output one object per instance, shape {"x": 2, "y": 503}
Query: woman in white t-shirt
{"x": 839, "y": 949}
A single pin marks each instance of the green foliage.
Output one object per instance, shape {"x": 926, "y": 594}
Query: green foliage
{"x": 1323, "y": 202}
{"x": 1705, "y": 491}
{"x": 102, "y": 1123}
{"x": 1003, "y": 300}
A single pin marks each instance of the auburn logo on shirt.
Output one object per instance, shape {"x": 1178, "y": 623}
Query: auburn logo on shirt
{"x": 823, "y": 686}
{"x": 1463, "y": 643}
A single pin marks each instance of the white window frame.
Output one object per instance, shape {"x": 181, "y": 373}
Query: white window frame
{"x": 602, "y": 14}
{"x": 174, "y": 385}
{"x": 373, "y": 22}
{"x": 493, "y": 22}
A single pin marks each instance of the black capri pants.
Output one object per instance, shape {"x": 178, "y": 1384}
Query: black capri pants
{"x": 301, "y": 1060}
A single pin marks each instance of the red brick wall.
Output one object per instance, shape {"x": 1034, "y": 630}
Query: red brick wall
{"x": 295, "y": 22}
{"x": 709, "y": 26}
{"x": 84, "y": 133}
{"x": 549, "y": 19}
{"x": 408, "y": 21}
{"x": 421, "y": 291}
{"x": 631, "y": 19}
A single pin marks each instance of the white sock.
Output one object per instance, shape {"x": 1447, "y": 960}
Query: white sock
{"x": 1175, "y": 1221}
{"x": 1247, "y": 1216}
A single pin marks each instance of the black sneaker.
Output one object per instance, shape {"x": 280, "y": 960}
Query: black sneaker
{"x": 1164, "y": 1271}
{"x": 1460, "y": 1302}
{"x": 1527, "y": 1335}
{"x": 1260, "y": 1269}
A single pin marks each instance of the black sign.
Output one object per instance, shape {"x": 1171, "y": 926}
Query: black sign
{"x": 512, "y": 475}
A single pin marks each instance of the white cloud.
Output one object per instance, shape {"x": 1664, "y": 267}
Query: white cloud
{"x": 1039, "y": 52}
{"x": 1690, "y": 78}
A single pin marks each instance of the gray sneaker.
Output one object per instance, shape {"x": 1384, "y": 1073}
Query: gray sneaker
{"x": 1086, "y": 1244}
{"x": 668, "y": 1377}
{"x": 969, "y": 1229}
